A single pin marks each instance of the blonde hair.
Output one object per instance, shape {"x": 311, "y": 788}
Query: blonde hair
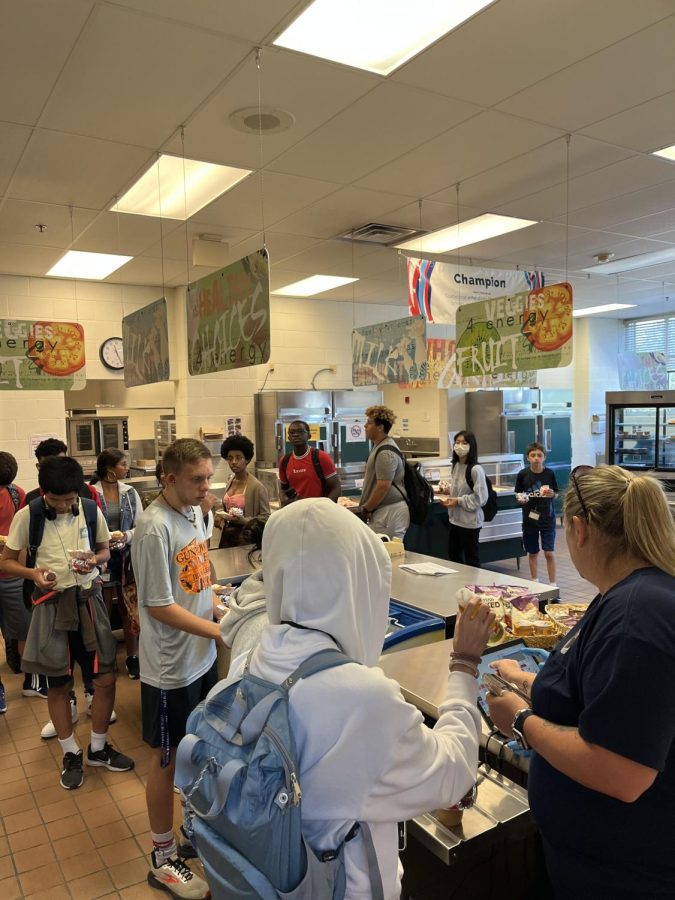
{"x": 382, "y": 415}
{"x": 628, "y": 511}
{"x": 183, "y": 452}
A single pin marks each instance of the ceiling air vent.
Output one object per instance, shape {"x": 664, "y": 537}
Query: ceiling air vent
{"x": 376, "y": 233}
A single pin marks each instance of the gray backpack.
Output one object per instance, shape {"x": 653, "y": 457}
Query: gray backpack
{"x": 237, "y": 767}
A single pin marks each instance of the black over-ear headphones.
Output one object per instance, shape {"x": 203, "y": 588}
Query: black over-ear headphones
{"x": 50, "y": 513}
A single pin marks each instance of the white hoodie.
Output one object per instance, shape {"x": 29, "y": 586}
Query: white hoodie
{"x": 364, "y": 753}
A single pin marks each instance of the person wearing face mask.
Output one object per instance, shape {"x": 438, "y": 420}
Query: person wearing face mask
{"x": 468, "y": 495}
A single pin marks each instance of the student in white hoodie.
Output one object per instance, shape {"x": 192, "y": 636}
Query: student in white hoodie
{"x": 364, "y": 753}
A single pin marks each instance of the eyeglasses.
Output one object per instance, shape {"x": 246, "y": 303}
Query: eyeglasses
{"x": 580, "y": 470}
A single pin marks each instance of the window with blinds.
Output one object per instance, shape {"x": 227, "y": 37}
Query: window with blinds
{"x": 651, "y": 336}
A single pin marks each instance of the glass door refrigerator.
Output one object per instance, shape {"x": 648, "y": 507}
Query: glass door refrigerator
{"x": 641, "y": 430}
{"x": 555, "y": 433}
{"x": 504, "y": 421}
{"x": 350, "y": 444}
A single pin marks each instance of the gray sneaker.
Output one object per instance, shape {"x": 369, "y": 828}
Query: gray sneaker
{"x": 72, "y": 775}
{"x": 110, "y": 759}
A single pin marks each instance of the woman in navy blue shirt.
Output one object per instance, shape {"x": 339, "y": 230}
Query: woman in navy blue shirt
{"x": 602, "y": 716}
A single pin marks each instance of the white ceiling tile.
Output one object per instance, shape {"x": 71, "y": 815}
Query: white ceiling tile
{"x": 23, "y": 259}
{"x": 128, "y": 235}
{"x": 516, "y": 43}
{"x": 175, "y": 245}
{"x": 381, "y": 129}
{"x": 13, "y": 139}
{"x": 36, "y": 37}
{"x": 252, "y": 20}
{"x": 143, "y": 270}
{"x": 646, "y": 127}
{"x": 18, "y": 222}
{"x": 623, "y": 209}
{"x": 125, "y": 62}
{"x": 64, "y": 168}
{"x": 310, "y": 90}
{"x": 660, "y": 226}
{"x": 480, "y": 143}
{"x": 589, "y": 91}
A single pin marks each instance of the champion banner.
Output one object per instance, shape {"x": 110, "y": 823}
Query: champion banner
{"x": 436, "y": 290}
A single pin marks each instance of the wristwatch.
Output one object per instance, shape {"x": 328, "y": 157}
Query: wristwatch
{"x": 517, "y": 727}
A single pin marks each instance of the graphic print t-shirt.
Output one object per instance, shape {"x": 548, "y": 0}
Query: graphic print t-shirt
{"x": 303, "y": 477}
{"x": 530, "y": 483}
{"x": 171, "y": 562}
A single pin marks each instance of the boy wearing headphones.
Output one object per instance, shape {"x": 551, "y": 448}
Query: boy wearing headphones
{"x": 69, "y": 619}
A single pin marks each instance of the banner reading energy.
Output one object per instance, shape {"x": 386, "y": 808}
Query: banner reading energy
{"x": 528, "y": 331}
{"x": 390, "y": 352}
{"x": 145, "y": 334}
{"x": 228, "y": 317}
{"x": 436, "y": 290}
{"x": 41, "y": 356}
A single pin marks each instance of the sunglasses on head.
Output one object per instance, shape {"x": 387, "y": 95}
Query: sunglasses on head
{"x": 576, "y": 471}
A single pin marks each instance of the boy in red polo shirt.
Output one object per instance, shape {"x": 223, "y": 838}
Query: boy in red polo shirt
{"x": 306, "y": 472}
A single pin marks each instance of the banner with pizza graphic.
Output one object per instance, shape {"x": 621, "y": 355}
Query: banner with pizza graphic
{"x": 41, "y": 356}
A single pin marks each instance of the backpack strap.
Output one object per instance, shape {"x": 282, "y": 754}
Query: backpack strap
{"x": 373, "y": 868}
{"x": 401, "y": 456}
{"x": 316, "y": 462}
{"x": 90, "y": 510}
{"x": 469, "y": 477}
{"x": 36, "y": 528}
{"x": 318, "y": 662}
{"x": 282, "y": 468}
{"x": 14, "y": 495}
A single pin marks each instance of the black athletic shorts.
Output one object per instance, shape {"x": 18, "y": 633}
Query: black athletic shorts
{"x": 179, "y": 704}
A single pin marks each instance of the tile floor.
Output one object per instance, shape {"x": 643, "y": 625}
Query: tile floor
{"x": 92, "y": 842}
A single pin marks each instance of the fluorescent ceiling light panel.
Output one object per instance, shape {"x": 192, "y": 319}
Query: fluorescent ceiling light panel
{"x": 666, "y": 153}
{"x": 641, "y": 261}
{"x": 94, "y": 266}
{"x": 470, "y": 232}
{"x": 315, "y": 284}
{"x": 170, "y": 190}
{"x": 375, "y": 35}
{"x": 608, "y": 307}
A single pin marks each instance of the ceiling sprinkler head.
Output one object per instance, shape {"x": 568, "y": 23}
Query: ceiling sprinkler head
{"x": 40, "y": 227}
{"x": 603, "y": 257}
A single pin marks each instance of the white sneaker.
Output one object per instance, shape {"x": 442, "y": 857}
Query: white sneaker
{"x": 50, "y": 732}
{"x": 89, "y": 699}
{"x": 174, "y": 877}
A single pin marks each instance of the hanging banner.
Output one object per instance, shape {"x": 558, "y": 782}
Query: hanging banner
{"x": 145, "y": 334}
{"x": 643, "y": 372}
{"x": 442, "y": 371}
{"x": 389, "y": 352}
{"x": 532, "y": 330}
{"x": 41, "y": 356}
{"x": 436, "y": 290}
{"x": 228, "y": 317}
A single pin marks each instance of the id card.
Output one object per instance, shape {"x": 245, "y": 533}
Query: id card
{"x": 534, "y": 515}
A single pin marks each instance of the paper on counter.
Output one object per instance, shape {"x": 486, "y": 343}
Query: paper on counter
{"x": 427, "y": 568}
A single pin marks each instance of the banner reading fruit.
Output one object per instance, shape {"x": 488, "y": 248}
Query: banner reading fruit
{"x": 531, "y": 330}
{"x": 41, "y": 356}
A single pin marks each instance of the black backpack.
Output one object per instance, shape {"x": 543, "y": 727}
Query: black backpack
{"x": 419, "y": 494}
{"x": 314, "y": 456}
{"x": 36, "y": 528}
{"x": 490, "y": 507}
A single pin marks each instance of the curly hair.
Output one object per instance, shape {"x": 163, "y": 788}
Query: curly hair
{"x": 382, "y": 415}
{"x": 240, "y": 443}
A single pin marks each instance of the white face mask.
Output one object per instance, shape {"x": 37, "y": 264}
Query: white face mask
{"x": 461, "y": 449}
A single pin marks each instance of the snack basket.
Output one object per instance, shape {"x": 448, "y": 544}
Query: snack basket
{"x": 543, "y": 641}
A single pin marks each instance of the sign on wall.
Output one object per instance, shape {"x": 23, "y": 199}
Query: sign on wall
{"x": 643, "y": 371}
{"x": 145, "y": 334}
{"x": 531, "y": 330}
{"x": 228, "y": 317}
{"x": 41, "y": 356}
{"x": 436, "y": 290}
{"x": 389, "y": 352}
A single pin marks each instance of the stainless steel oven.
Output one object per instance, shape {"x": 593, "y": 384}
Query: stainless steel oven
{"x": 89, "y": 435}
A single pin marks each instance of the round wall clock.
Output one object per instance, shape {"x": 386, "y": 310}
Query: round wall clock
{"x": 111, "y": 353}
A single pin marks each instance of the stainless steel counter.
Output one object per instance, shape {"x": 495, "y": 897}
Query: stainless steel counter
{"x": 231, "y": 564}
{"x": 435, "y": 594}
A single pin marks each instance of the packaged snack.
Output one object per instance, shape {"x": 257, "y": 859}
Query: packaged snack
{"x": 566, "y": 615}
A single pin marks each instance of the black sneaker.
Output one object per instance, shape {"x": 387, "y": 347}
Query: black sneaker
{"x": 34, "y": 686}
{"x": 72, "y": 775}
{"x": 110, "y": 759}
{"x": 133, "y": 668}
{"x": 186, "y": 848}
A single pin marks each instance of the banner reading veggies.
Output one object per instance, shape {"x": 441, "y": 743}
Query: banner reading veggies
{"x": 228, "y": 317}
{"x": 527, "y": 331}
{"x": 41, "y": 356}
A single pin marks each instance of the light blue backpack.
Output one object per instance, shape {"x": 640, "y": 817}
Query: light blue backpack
{"x": 237, "y": 769}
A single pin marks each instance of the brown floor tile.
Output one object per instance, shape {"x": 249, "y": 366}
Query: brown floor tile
{"x": 18, "y": 804}
{"x": 52, "y": 794}
{"x": 27, "y": 860}
{"x": 41, "y": 879}
{"x": 58, "y": 810}
{"x": 6, "y": 748}
{"x": 29, "y": 743}
{"x": 66, "y": 827}
{"x": 73, "y": 845}
{"x": 139, "y": 823}
{"x": 31, "y": 837}
{"x": 4, "y": 846}
{"x": 133, "y": 872}
{"x": 138, "y": 892}
{"x": 20, "y": 821}
{"x": 92, "y": 886}
{"x": 110, "y": 833}
{"x": 13, "y": 789}
{"x": 11, "y": 774}
{"x": 130, "y": 806}
{"x": 45, "y": 780}
{"x": 28, "y": 732}
{"x": 38, "y": 753}
{"x": 60, "y": 892}
{"x": 83, "y": 864}
{"x": 40, "y": 768}
{"x": 7, "y": 868}
{"x": 132, "y": 788}
{"x": 93, "y": 799}
{"x": 10, "y": 889}
{"x": 102, "y": 815}
{"x": 120, "y": 852}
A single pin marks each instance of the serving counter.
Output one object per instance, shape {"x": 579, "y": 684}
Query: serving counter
{"x": 435, "y": 594}
{"x": 231, "y": 564}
